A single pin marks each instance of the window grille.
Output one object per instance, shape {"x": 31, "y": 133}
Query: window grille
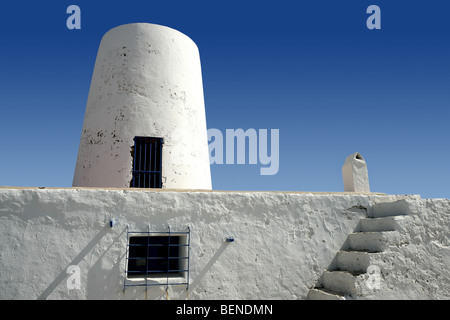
{"x": 157, "y": 258}
{"x": 147, "y": 162}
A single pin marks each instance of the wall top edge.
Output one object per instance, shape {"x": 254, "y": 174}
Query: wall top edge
{"x": 193, "y": 190}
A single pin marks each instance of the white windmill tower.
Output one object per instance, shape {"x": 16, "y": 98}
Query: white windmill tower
{"x": 145, "y": 123}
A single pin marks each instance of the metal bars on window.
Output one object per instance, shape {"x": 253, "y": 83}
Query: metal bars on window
{"x": 153, "y": 258}
{"x": 147, "y": 162}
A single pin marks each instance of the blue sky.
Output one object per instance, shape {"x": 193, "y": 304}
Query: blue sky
{"x": 311, "y": 69}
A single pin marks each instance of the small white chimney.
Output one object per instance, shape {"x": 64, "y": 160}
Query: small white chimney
{"x": 354, "y": 173}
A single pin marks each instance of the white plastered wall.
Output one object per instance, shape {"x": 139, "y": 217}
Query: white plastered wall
{"x": 283, "y": 242}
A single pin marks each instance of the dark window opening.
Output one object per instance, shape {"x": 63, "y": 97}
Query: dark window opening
{"x": 157, "y": 256}
{"x": 147, "y": 162}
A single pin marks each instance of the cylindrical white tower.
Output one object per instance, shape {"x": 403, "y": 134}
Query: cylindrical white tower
{"x": 147, "y": 83}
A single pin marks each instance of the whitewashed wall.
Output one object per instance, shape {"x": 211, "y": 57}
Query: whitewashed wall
{"x": 283, "y": 241}
{"x": 418, "y": 265}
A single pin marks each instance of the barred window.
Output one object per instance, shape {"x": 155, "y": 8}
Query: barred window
{"x": 147, "y": 162}
{"x": 157, "y": 256}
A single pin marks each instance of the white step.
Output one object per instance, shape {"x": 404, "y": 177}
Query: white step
{"x": 318, "y": 294}
{"x": 372, "y": 241}
{"x": 386, "y": 209}
{"x": 354, "y": 261}
{"x": 341, "y": 282}
{"x": 381, "y": 224}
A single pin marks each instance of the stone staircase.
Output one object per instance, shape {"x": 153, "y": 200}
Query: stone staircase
{"x": 363, "y": 248}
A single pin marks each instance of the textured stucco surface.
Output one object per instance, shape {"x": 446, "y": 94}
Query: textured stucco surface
{"x": 283, "y": 242}
{"x": 416, "y": 265}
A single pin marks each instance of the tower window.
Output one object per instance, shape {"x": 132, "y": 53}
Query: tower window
{"x": 147, "y": 162}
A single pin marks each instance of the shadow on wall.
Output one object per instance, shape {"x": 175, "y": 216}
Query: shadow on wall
{"x": 106, "y": 269}
{"x": 63, "y": 275}
{"x": 104, "y": 275}
{"x": 209, "y": 265}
